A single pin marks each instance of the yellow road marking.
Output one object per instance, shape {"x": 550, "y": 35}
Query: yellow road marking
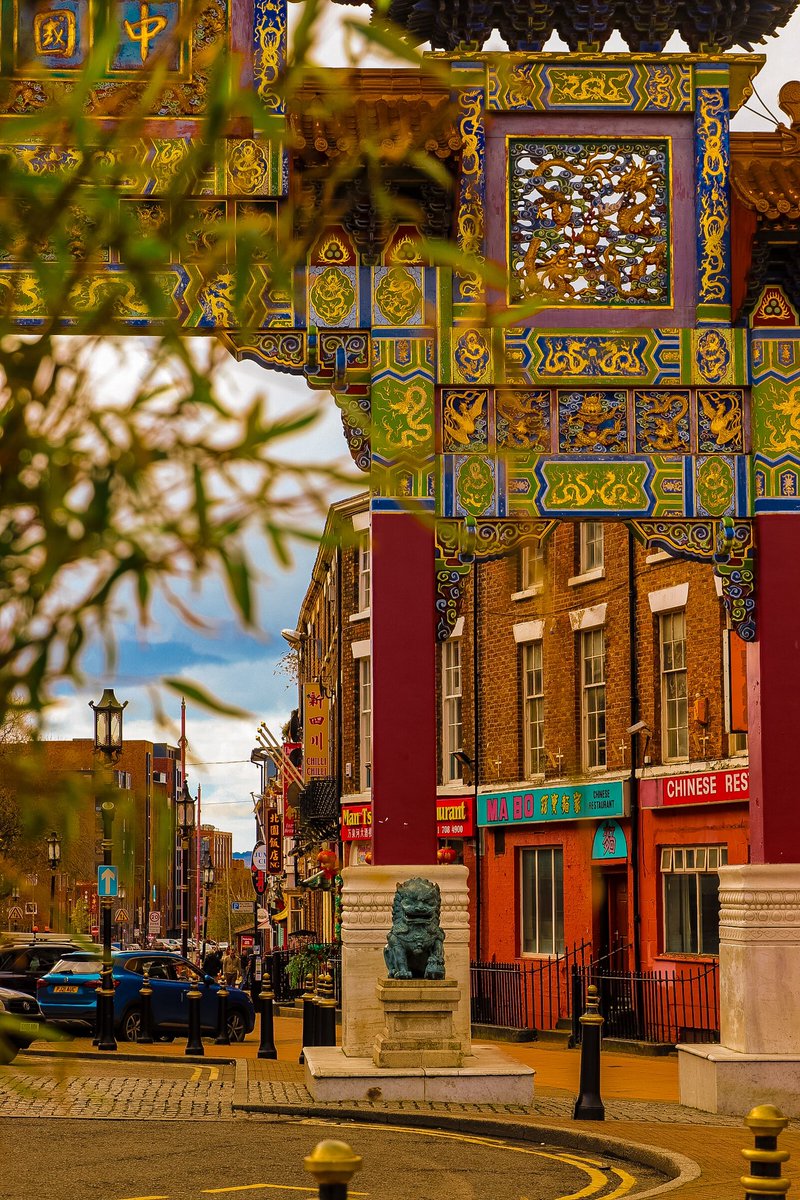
{"x": 597, "y": 1180}
{"x": 279, "y": 1187}
{"x": 196, "y": 1075}
{"x": 147, "y": 1198}
{"x": 213, "y": 1073}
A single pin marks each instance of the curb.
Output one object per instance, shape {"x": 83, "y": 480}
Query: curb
{"x": 115, "y": 1056}
{"x": 682, "y": 1169}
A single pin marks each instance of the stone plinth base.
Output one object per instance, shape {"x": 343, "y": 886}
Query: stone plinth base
{"x": 419, "y": 1023}
{"x": 718, "y": 1080}
{"x": 487, "y": 1076}
{"x": 367, "y": 897}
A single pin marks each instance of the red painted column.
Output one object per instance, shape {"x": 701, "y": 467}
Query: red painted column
{"x": 403, "y": 625}
{"x": 773, "y": 668}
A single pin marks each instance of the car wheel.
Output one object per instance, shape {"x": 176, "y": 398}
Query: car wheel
{"x": 130, "y": 1029}
{"x": 237, "y": 1026}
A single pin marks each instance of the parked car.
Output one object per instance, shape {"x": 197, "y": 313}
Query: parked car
{"x": 24, "y": 960}
{"x": 69, "y": 993}
{"x": 21, "y": 1022}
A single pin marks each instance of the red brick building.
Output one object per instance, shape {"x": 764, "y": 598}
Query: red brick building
{"x": 593, "y": 657}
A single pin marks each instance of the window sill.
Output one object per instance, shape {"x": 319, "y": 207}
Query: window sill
{"x": 659, "y": 556}
{"x": 528, "y": 593}
{"x": 360, "y": 616}
{"x": 587, "y": 577}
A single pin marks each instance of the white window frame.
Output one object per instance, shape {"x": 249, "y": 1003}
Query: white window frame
{"x": 533, "y": 708}
{"x": 688, "y": 862}
{"x": 594, "y": 751}
{"x": 531, "y": 568}
{"x": 452, "y": 710}
{"x": 533, "y": 941}
{"x": 673, "y": 675}
{"x": 365, "y": 722}
{"x": 364, "y": 573}
{"x": 592, "y": 549}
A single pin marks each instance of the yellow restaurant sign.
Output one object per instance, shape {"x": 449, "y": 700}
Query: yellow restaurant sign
{"x": 316, "y": 732}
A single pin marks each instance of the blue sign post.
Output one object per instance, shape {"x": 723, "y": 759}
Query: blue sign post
{"x": 107, "y": 882}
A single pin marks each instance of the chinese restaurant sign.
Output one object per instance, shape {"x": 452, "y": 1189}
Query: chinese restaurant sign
{"x": 454, "y": 818}
{"x": 706, "y": 787}
{"x": 274, "y": 843}
{"x": 578, "y": 801}
{"x": 609, "y": 842}
{"x": 316, "y": 732}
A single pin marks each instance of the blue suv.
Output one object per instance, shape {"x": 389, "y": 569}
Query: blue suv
{"x": 69, "y": 993}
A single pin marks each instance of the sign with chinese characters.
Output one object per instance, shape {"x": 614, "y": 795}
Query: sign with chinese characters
{"x": 609, "y": 842}
{"x": 316, "y": 732}
{"x": 455, "y": 818}
{"x": 274, "y": 843}
{"x": 570, "y": 802}
{"x": 258, "y": 868}
{"x": 356, "y": 820}
{"x": 703, "y": 788}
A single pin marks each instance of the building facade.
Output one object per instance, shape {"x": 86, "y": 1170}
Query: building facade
{"x": 591, "y": 774}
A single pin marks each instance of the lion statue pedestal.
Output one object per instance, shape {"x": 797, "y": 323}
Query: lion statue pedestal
{"x": 419, "y": 1024}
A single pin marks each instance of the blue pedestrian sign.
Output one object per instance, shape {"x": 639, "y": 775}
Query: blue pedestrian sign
{"x": 107, "y": 882}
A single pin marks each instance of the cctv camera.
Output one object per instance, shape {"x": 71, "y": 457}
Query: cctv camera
{"x": 639, "y": 727}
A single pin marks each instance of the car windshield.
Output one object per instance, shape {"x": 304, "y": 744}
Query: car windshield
{"x": 77, "y": 966}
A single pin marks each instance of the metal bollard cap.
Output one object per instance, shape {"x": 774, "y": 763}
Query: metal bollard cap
{"x": 766, "y": 1120}
{"x": 332, "y": 1162}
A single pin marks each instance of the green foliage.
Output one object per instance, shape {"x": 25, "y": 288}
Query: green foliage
{"x": 303, "y": 963}
{"x": 131, "y": 473}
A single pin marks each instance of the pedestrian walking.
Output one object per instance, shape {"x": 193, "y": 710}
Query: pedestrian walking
{"x": 212, "y": 963}
{"x": 230, "y": 966}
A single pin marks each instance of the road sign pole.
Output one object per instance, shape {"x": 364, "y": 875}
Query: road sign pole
{"x": 105, "y": 996}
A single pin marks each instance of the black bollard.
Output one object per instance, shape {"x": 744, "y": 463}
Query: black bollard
{"x": 194, "y": 1043}
{"x": 266, "y": 1048}
{"x": 146, "y": 997}
{"x": 589, "y": 1106}
{"x": 222, "y": 1038}
{"x": 764, "y": 1179}
{"x": 326, "y": 1011}
{"x": 333, "y": 1165}
{"x": 309, "y": 1015}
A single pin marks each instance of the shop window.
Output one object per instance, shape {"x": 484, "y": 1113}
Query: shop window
{"x": 364, "y": 573}
{"x": 533, "y": 708}
{"x": 531, "y": 568}
{"x": 737, "y": 744}
{"x": 451, "y": 709}
{"x": 674, "y": 689}
{"x": 593, "y": 698}
{"x": 542, "y": 900}
{"x": 690, "y": 888}
{"x": 365, "y": 721}
{"x": 591, "y": 546}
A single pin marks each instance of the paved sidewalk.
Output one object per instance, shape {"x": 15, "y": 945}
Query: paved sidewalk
{"x": 640, "y": 1095}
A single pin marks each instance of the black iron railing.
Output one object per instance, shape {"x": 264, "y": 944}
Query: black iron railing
{"x": 679, "y": 1005}
{"x": 532, "y": 994}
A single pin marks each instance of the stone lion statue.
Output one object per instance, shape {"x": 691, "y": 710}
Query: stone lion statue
{"x": 415, "y": 946}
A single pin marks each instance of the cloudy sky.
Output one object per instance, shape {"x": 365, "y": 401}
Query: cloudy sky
{"x": 243, "y": 670}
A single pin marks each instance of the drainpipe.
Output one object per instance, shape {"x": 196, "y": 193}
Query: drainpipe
{"x": 635, "y": 742}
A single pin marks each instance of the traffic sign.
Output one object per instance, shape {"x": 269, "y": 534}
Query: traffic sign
{"x": 30, "y": 908}
{"x": 154, "y": 921}
{"x": 107, "y": 882}
{"x": 15, "y": 913}
{"x": 121, "y": 917}
{"x": 236, "y": 905}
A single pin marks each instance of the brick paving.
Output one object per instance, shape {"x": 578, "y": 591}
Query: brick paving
{"x": 639, "y": 1092}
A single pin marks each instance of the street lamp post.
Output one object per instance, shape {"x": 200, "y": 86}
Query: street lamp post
{"x": 108, "y": 746}
{"x": 54, "y": 858}
{"x": 208, "y": 883}
{"x": 185, "y": 813}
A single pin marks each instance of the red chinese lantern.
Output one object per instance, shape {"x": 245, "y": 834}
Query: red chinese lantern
{"x": 446, "y": 855}
{"x": 368, "y": 857}
{"x": 326, "y": 860}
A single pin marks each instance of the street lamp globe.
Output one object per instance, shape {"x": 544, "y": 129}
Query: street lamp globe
{"x": 108, "y": 724}
{"x": 185, "y": 809}
{"x": 53, "y": 851}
